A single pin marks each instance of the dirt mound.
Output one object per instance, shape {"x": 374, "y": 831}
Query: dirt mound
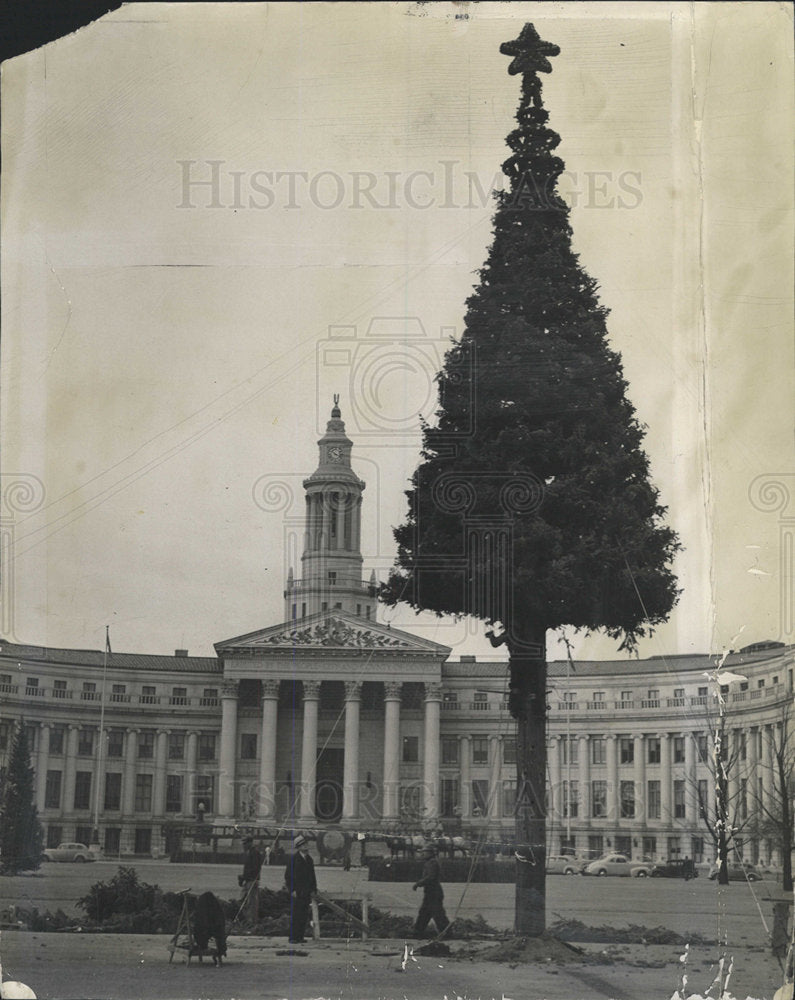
{"x": 517, "y": 950}
{"x": 575, "y": 930}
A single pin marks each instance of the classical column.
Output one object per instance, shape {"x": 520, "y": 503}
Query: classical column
{"x": 191, "y": 758}
{"x": 430, "y": 771}
{"x": 128, "y": 805}
{"x": 266, "y": 797}
{"x": 390, "y": 806}
{"x": 465, "y": 759}
{"x": 640, "y": 780}
{"x": 495, "y": 777}
{"x": 584, "y": 771}
{"x": 227, "y": 756}
{"x": 306, "y": 808}
{"x": 159, "y": 790}
{"x": 666, "y": 813}
{"x": 70, "y": 769}
{"x": 556, "y": 791}
{"x": 768, "y": 769}
{"x": 613, "y": 810}
{"x": 350, "y": 769}
{"x": 42, "y": 756}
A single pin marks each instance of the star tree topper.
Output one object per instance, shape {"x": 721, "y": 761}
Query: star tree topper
{"x": 529, "y": 52}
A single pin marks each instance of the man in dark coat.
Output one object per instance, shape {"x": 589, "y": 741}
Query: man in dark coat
{"x": 432, "y": 907}
{"x": 249, "y": 882}
{"x": 299, "y": 877}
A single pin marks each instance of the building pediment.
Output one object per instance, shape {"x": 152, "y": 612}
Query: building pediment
{"x": 330, "y": 630}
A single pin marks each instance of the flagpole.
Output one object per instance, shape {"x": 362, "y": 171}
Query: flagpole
{"x": 95, "y": 834}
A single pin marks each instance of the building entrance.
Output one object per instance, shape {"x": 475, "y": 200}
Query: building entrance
{"x": 328, "y": 792}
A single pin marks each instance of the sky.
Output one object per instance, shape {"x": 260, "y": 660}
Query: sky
{"x": 217, "y": 216}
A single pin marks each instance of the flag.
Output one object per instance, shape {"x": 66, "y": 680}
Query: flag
{"x": 108, "y": 650}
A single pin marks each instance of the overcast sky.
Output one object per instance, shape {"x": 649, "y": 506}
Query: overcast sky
{"x": 214, "y": 217}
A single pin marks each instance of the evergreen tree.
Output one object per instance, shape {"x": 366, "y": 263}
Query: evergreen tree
{"x": 21, "y": 834}
{"x": 532, "y": 507}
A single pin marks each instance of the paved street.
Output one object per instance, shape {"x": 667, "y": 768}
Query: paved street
{"x": 98, "y": 965}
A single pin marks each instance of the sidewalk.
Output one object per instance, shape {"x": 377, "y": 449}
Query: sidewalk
{"x": 126, "y": 967}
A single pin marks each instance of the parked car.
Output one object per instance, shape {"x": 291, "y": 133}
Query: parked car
{"x": 738, "y": 872}
{"x": 615, "y": 864}
{"x": 563, "y": 864}
{"x": 675, "y": 868}
{"x": 68, "y": 852}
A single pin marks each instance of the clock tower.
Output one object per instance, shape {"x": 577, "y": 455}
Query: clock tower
{"x": 331, "y": 566}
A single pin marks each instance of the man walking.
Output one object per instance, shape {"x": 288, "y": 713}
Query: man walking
{"x": 299, "y": 877}
{"x": 249, "y": 882}
{"x": 432, "y": 907}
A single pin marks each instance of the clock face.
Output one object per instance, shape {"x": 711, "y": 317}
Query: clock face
{"x": 335, "y": 454}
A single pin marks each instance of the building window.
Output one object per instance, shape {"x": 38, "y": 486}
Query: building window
{"x": 674, "y": 847}
{"x": 113, "y": 791}
{"x": 508, "y": 798}
{"x": 480, "y": 797}
{"x": 115, "y": 743}
{"x": 743, "y": 798}
{"x": 179, "y": 696}
{"x": 703, "y": 797}
{"x": 679, "y": 799}
{"x": 332, "y": 578}
{"x": 654, "y": 694}
{"x": 480, "y": 750}
{"x": 85, "y": 743}
{"x": 654, "y": 799}
{"x": 627, "y": 796}
{"x": 571, "y": 797}
{"x": 118, "y": 692}
{"x": 649, "y": 847}
{"x": 248, "y": 746}
{"x": 412, "y": 694}
{"x": 598, "y": 799}
{"x": 743, "y": 745}
{"x": 626, "y": 696}
{"x": 89, "y": 692}
{"x": 411, "y": 749}
{"x": 626, "y": 750}
{"x": 596, "y": 845}
{"x": 83, "y": 834}
{"x": 702, "y": 692}
{"x": 112, "y": 841}
{"x": 449, "y": 749}
{"x": 82, "y": 798}
{"x": 697, "y": 849}
{"x": 143, "y": 840}
{"x": 703, "y": 748}
{"x": 598, "y": 750}
{"x": 148, "y": 695}
{"x": 679, "y": 749}
{"x": 59, "y": 689}
{"x": 5, "y": 730}
{"x": 209, "y": 698}
{"x": 54, "y": 836}
{"x": 31, "y": 732}
{"x": 509, "y": 750}
{"x": 206, "y": 746}
{"x": 205, "y": 793}
{"x": 481, "y": 700}
{"x": 173, "y": 793}
{"x": 52, "y": 790}
{"x": 143, "y": 793}
{"x": 176, "y": 746}
{"x": 146, "y": 745}
{"x": 570, "y": 697}
{"x": 56, "y": 740}
{"x": 32, "y": 686}
{"x": 599, "y": 697}
{"x": 653, "y": 745}
{"x": 449, "y": 796}
{"x": 571, "y": 750}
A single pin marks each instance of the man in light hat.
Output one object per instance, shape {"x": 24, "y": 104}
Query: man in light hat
{"x": 432, "y": 907}
{"x": 249, "y": 882}
{"x": 299, "y": 878}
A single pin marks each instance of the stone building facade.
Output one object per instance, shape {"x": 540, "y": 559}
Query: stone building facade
{"x": 332, "y": 717}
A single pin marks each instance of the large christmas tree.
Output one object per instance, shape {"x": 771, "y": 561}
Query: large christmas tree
{"x": 532, "y": 508}
{"x": 21, "y": 834}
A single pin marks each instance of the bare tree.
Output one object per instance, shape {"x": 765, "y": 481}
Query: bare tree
{"x": 775, "y": 811}
{"x": 727, "y": 815}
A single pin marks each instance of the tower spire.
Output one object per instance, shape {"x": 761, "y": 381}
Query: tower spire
{"x": 332, "y": 560}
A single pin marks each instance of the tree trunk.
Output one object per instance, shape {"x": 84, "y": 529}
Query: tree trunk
{"x": 528, "y": 704}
